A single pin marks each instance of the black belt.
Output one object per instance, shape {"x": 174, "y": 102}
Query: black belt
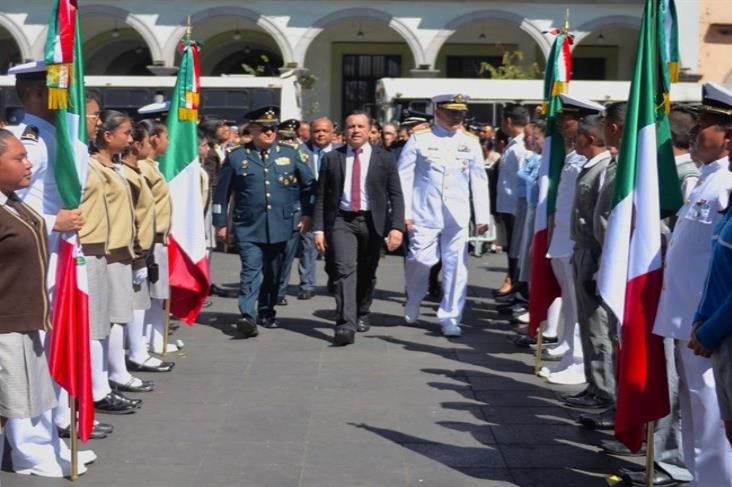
{"x": 352, "y": 214}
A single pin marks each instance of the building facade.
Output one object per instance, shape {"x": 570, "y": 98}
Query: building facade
{"x": 345, "y": 45}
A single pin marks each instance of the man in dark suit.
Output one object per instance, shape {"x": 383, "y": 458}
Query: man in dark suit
{"x": 272, "y": 190}
{"x": 358, "y": 206}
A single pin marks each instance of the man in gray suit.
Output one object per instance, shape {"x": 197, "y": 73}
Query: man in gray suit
{"x": 321, "y": 133}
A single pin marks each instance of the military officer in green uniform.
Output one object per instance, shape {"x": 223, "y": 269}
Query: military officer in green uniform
{"x": 273, "y": 193}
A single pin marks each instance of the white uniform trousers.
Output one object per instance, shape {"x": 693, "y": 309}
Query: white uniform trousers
{"x": 569, "y": 337}
{"x": 707, "y": 453}
{"x": 34, "y": 441}
{"x": 427, "y": 246}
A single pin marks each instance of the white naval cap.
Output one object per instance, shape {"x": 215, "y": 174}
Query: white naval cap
{"x": 452, "y": 101}
{"x": 29, "y": 68}
{"x": 580, "y": 106}
{"x": 153, "y": 108}
{"x": 716, "y": 99}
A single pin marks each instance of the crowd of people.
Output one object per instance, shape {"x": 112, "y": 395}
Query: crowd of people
{"x": 278, "y": 191}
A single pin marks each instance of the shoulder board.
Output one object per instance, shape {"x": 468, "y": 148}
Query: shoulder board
{"x": 470, "y": 134}
{"x": 423, "y": 131}
{"x": 30, "y": 133}
{"x": 303, "y": 156}
{"x": 232, "y": 148}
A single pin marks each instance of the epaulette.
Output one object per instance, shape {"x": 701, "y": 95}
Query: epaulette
{"x": 30, "y": 133}
{"x": 232, "y": 148}
{"x": 471, "y": 134}
{"x": 303, "y": 156}
{"x": 423, "y": 131}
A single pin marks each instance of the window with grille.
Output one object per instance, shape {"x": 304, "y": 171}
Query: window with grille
{"x": 360, "y": 72}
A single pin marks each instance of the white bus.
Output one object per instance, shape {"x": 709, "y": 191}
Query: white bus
{"x": 228, "y": 97}
{"x": 394, "y": 95}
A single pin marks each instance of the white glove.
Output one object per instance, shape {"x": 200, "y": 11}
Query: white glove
{"x": 139, "y": 276}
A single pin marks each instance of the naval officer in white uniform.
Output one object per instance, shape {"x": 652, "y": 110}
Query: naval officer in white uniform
{"x": 440, "y": 169}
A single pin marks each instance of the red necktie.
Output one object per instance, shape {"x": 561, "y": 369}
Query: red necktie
{"x": 356, "y": 181}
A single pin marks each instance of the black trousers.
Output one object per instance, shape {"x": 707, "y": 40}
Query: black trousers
{"x": 508, "y": 220}
{"x": 355, "y": 250}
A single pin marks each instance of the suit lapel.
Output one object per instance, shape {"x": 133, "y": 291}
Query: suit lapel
{"x": 342, "y": 168}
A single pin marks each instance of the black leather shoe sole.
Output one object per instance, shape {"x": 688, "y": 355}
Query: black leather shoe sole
{"x": 614, "y": 447}
{"x": 134, "y": 367}
{"x": 343, "y": 338}
{"x": 95, "y": 434}
{"x": 247, "y": 327}
{"x": 146, "y": 386}
{"x": 107, "y": 407}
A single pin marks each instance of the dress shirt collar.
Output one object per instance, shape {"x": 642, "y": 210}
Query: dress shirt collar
{"x": 713, "y": 167}
{"x": 516, "y": 140}
{"x": 441, "y": 131}
{"x": 602, "y": 155}
{"x": 3, "y": 199}
{"x": 680, "y": 159}
{"x": 325, "y": 149}
{"x": 365, "y": 152}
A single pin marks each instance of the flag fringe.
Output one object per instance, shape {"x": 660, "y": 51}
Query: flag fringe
{"x": 58, "y": 79}
{"x": 674, "y": 70}
{"x": 188, "y": 114}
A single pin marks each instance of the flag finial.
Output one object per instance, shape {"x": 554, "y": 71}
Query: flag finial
{"x": 566, "y": 22}
{"x": 188, "y": 28}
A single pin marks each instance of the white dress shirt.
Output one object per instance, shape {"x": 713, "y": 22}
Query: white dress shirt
{"x": 562, "y": 244}
{"x": 689, "y": 251}
{"x": 508, "y": 180}
{"x": 364, "y": 158}
{"x": 688, "y": 185}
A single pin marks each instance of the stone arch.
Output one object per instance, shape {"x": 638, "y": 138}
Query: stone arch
{"x": 451, "y": 27}
{"x": 16, "y": 32}
{"x": 367, "y": 13}
{"x": 588, "y": 27}
{"x": 265, "y": 23}
{"x": 129, "y": 19}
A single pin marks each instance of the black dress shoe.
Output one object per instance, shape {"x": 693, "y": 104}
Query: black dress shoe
{"x": 247, "y": 327}
{"x": 602, "y": 421}
{"x": 614, "y": 447}
{"x": 110, "y": 404}
{"x": 508, "y": 298}
{"x": 224, "y": 292}
{"x": 363, "y": 324}
{"x": 638, "y": 477}
{"x": 343, "y": 336}
{"x": 305, "y": 295}
{"x": 106, "y": 427}
{"x": 146, "y": 367}
{"x": 96, "y": 434}
{"x": 134, "y": 402}
{"x": 581, "y": 393}
{"x": 145, "y": 386}
{"x": 282, "y": 302}
{"x": 589, "y": 401}
{"x": 268, "y": 322}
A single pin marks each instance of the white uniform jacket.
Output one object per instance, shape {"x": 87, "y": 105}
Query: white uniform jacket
{"x": 440, "y": 171}
{"x": 689, "y": 251}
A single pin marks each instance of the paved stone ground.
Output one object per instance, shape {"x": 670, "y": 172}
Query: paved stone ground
{"x": 402, "y": 407}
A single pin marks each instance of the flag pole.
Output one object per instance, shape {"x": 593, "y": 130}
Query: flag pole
{"x": 650, "y": 453}
{"x": 539, "y": 346}
{"x": 74, "y": 440}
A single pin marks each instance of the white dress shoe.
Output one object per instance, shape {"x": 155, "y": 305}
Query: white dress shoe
{"x": 572, "y": 375}
{"x": 54, "y": 469}
{"x": 451, "y": 330}
{"x": 411, "y": 313}
{"x": 85, "y": 456}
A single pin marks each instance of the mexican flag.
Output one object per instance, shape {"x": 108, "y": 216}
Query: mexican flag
{"x": 544, "y": 286}
{"x": 69, "y": 359}
{"x": 631, "y": 272}
{"x": 189, "y": 282}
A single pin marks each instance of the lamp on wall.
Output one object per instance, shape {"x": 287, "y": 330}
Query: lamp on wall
{"x": 482, "y": 33}
{"x": 115, "y": 32}
{"x": 237, "y": 32}
{"x": 360, "y": 31}
{"x": 600, "y": 37}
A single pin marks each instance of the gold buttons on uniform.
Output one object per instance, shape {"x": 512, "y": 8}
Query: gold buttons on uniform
{"x": 269, "y": 207}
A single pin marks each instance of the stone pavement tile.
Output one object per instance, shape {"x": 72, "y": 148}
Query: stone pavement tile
{"x": 568, "y": 454}
{"x": 443, "y": 476}
{"x": 254, "y": 453}
{"x": 538, "y": 398}
{"x": 353, "y": 475}
{"x": 566, "y": 477}
{"x": 496, "y": 382}
{"x": 245, "y": 475}
{"x": 527, "y": 415}
{"x": 549, "y": 434}
{"x": 115, "y": 475}
{"x": 264, "y": 424}
{"x": 468, "y": 433}
{"x": 337, "y": 452}
{"x": 421, "y": 454}
{"x": 326, "y": 430}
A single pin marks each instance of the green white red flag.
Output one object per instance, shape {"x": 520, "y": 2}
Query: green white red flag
{"x": 631, "y": 272}
{"x": 544, "y": 286}
{"x": 69, "y": 358}
{"x": 188, "y": 262}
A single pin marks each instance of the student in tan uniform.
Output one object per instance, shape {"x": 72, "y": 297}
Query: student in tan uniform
{"x": 159, "y": 290}
{"x": 144, "y": 204}
{"x": 113, "y": 137}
